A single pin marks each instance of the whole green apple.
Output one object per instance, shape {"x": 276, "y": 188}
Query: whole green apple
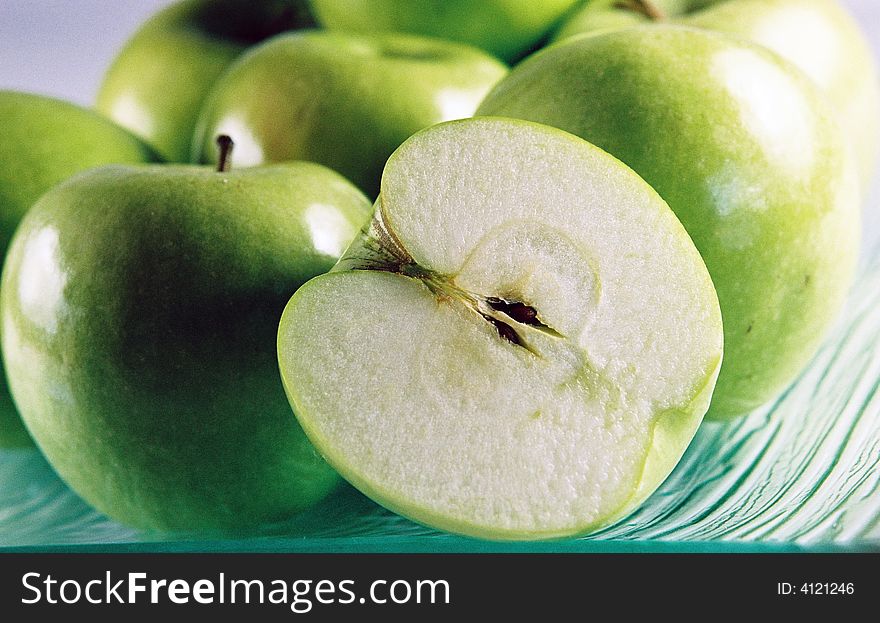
{"x": 158, "y": 82}
{"x": 43, "y": 142}
{"x": 506, "y": 28}
{"x": 345, "y": 101}
{"x": 139, "y": 312}
{"x": 522, "y": 344}
{"x": 746, "y": 152}
{"x": 818, "y": 36}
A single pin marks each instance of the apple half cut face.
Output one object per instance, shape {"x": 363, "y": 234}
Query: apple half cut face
{"x": 520, "y": 346}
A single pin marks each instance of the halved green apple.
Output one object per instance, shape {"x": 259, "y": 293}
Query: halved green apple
{"x": 522, "y": 343}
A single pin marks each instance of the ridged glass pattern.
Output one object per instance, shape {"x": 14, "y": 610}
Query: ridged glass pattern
{"x": 802, "y": 471}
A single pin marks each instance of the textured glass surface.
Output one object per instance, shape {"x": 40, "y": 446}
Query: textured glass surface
{"x": 802, "y": 471}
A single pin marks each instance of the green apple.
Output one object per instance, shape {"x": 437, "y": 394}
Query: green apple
{"x": 818, "y": 36}
{"x": 506, "y": 28}
{"x": 345, "y": 101}
{"x": 43, "y": 142}
{"x": 522, "y": 344}
{"x": 158, "y": 82}
{"x": 139, "y": 312}
{"x": 746, "y": 152}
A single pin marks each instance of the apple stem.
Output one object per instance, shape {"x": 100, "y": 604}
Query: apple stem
{"x": 645, "y": 7}
{"x": 225, "y": 145}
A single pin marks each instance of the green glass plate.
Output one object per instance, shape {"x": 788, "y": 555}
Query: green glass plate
{"x": 801, "y": 473}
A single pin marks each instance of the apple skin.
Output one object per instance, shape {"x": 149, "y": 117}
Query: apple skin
{"x": 45, "y": 141}
{"x": 506, "y": 28}
{"x": 817, "y": 36}
{"x": 158, "y": 82}
{"x": 139, "y": 309}
{"x": 747, "y": 154}
{"x": 344, "y": 101}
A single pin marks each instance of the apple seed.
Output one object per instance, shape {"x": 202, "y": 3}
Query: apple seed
{"x": 520, "y": 312}
{"x": 505, "y": 330}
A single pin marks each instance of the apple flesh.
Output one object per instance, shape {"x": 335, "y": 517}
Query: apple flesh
{"x": 43, "y": 142}
{"x": 521, "y": 346}
{"x": 818, "y": 36}
{"x": 139, "y": 312}
{"x": 157, "y": 84}
{"x": 747, "y": 153}
{"x": 506, "y": 28}
{"x": 345, "y": 101}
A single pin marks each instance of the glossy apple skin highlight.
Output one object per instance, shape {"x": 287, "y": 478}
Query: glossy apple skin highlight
{"x": 158, "y": 82}
{"x": 750, "y": 157}
{"x": 344, "y": 101}
{"x": 818, "y": 36}
{"x": 139, "y": 311}
{"x": 43, "y": 142}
